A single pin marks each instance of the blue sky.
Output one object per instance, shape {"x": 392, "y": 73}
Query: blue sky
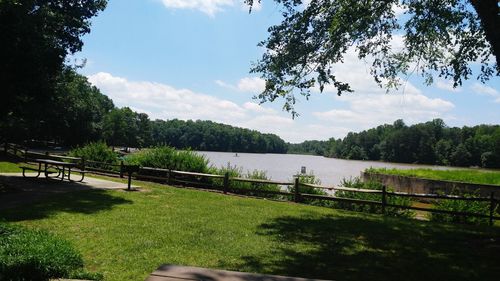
{"x": 190, "y": 59}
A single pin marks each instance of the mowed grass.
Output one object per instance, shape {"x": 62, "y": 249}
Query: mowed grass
{"x": 460, "y": 175}
{"x": 126, "y": 235}
{"x": 9, "y": 167}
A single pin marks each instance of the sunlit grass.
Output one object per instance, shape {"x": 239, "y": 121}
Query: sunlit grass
{"x": 9, "y": 167}
{"x": 126, "y": 235}
{"x": 460, "y": 175}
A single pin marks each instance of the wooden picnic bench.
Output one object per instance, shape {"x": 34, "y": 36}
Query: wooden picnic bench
{"x": 188, "y": 273}
{"x": 49, "y": 167}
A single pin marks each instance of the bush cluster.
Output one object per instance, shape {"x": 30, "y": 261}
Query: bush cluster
{"x": 96, "y": 151}
{"x": 248, "y": 188}
{"x": 475, "y": 207}
{"x": 357, "y": 183}
{"x": 165, "y": 157}
{"x": 38, "y": 255}
{"x": 310, "y": 179}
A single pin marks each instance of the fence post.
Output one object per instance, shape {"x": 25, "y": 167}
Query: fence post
{"x": 492, "y": 207}
{"x": 25, "y": 154}
{"x": 169, "y": 176}
{"x": 83, "y": 163}
{"x": 121, "y": 169}
{"x": 129, "y": 179}
{"x": 296, "y": 184}
{"x": 225, "y": 188}
{"x": 384, "y": 198}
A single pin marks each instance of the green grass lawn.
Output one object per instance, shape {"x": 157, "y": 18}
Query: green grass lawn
{"x": 126, "y": 235}
{"x": 461, "y": 175}
{"x": 9, "y": 167}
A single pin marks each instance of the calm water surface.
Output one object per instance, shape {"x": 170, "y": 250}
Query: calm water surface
{"x": 282, "y": 167}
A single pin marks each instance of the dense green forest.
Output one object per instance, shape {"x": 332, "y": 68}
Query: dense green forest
{"x": 425, "y": 143}
{"x": 78, "y": 113}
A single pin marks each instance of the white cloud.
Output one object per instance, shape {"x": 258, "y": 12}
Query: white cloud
{"x": 252, "y": 85}
{"x": 224, "y": 84}
{"x": 484, "y": 90}
{"x": 447, "y": 86}
{"x": 365, "y": 111}
{"x": 166, "y": 102}
{"x": 257, "y": 108}
{"x": 209, "y": 7}
{"x": 481, "y": 89}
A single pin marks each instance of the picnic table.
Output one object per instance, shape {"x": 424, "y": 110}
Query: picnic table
{"x": 50, "y": 167}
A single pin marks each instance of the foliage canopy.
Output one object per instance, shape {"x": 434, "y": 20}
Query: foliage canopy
{"x": 429, "y": 37}
{"x": 37, "y": 36}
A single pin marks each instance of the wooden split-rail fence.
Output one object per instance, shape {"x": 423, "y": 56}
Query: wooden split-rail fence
{"x": 227, "y": 184}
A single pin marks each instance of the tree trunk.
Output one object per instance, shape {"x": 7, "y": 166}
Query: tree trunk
{"x": 489, "y": 14}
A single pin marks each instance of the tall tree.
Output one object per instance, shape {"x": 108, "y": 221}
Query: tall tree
{"x": 37, "y": 36}
{"x": 440, "y": 37}
{"x": 75, "y": 111}
{"x": 72, "y": 114}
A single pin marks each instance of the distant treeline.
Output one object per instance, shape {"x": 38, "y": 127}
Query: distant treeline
{"x": 77, "y": 113}
{"x": 425, "y": 143}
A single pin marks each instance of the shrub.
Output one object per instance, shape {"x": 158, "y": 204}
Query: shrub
{"x": 96, "y": 151}
{"x": 260, "y": 175}
{"x": 310, "y": 179}
{"x": 357, "y": 183}
{"x": 249, "y": 187}
{"x": 461, "y": 206}
{"x": 37, "y": 255}
{"x": 233, "y": 172}
{"x": 165, "y": 157}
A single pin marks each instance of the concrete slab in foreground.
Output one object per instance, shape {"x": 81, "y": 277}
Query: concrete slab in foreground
{"x": 185, "y": 273}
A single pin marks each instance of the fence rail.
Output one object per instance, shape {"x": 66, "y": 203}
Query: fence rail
{"x": 261, "y": 181}
{"x": 194, "y": 178}
{"x": 339, "y": 188}
{"x": 436, "y": 196}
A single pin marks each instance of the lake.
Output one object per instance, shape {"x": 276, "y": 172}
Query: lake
{"x": 282, "y": 167}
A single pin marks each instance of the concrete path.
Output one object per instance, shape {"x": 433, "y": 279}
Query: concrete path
{"x": 188, "y": 273}
{"x": 17, "y": 190}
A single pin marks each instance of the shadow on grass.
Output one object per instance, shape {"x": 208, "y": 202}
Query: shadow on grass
{"x": 83, "y": 201}
{"x": 10, "y": 158}
{"x": 357, "y": 248}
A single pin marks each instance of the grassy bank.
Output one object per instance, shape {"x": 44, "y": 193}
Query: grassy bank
{"x": 126, "y": 235}
{"x": 461, "y": 175}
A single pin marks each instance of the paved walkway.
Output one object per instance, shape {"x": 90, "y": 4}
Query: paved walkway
{"x": 188, "y": 273}
{"x": 17, "y": 190}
